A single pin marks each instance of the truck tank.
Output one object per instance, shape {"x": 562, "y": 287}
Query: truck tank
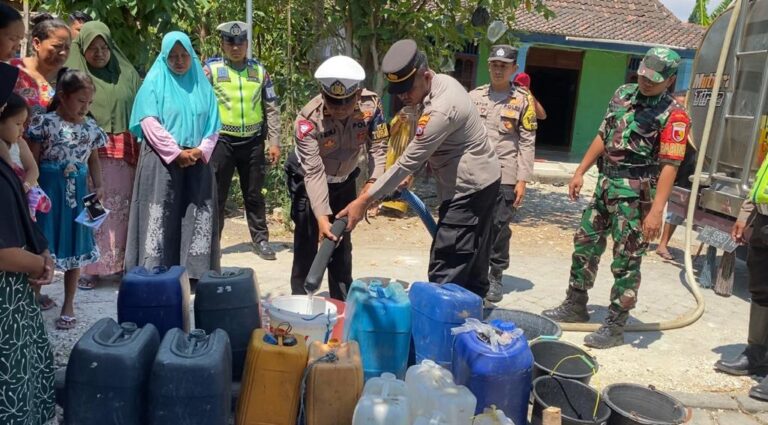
{"x": 738, "y": 138}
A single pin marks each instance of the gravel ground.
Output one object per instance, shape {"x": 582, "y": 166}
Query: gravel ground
{"x": 674, "y": 360}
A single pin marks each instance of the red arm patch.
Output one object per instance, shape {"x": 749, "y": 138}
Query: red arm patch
{"x": 674, "y": 137}
{"x": 303, "y": 127}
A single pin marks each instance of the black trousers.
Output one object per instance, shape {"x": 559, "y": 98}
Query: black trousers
{"x": 246, "y": 154}
{"x": 757, "y": 261}
{"x": 460, "y": 252}
{"x": 505, "y": 210}
{"x": 305, "y": 235}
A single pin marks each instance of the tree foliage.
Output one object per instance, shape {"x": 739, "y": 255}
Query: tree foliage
{"x": 292, "y": 37}
{"x": 700, "y": 15}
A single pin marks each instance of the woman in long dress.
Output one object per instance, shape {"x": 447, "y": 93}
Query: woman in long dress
{"x": 26, "y": 358}
{"x": 117, "y": 82}
{"x": 175, "y": 116}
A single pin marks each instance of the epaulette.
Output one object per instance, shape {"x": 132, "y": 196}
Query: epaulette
{"x": 213, "y": 60}
{"x": 485, "y": 88}
{"x": 313, "y": 105}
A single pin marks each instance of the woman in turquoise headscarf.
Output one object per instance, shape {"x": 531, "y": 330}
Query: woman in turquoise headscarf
{"x": 176, "y": 119}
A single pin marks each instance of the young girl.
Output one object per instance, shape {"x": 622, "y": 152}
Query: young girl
{"x": 64, "y": 142}
{"x": 16, "y": 153}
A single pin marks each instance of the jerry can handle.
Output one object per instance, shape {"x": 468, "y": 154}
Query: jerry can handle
{"x": 159, "y": 269}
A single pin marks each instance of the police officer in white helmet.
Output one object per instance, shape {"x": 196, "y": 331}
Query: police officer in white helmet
{"x": 330, "y": 132}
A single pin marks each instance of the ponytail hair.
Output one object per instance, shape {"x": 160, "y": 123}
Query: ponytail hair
{"x": 69, "y": 81}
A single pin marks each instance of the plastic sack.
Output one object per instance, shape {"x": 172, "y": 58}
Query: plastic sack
{"x": 492, "y": 335}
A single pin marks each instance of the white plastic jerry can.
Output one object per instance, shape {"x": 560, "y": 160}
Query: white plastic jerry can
{"x": 492, "y": 416}
{"x": 384, "y": 402}
{"x": 431, "y": 388}
{"x": 436, "y": 419}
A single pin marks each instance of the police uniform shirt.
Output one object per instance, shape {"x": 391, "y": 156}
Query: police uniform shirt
{"x": 510, "y": 120}
{"x": 449, "y": 135}
{"x": 268, "y": 97}
{"x": 328, "y": 149}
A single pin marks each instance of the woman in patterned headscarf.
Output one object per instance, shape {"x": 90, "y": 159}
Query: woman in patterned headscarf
{"x": 117, "y": 82}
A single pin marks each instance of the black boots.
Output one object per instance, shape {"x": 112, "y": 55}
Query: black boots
{"x": 572, "y": 310}
{"x": 760, "y": 391}
{"x": 611, "y": 333}
{"x": 754, "y": 359}
{"x": 495, "y": 290}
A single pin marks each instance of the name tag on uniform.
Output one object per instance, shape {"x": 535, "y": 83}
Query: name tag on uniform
{"x": 510, "y": 113}
{"x": 222, "y": 75}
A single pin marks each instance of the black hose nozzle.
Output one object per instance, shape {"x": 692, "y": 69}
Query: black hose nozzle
{"x": 323, "y": 256}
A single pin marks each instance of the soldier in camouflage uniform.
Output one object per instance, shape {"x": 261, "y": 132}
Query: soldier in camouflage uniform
{"x": 639, "y": 146}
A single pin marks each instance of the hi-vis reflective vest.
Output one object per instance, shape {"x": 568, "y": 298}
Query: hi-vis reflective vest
{"x": 759, "y": 193}
{"x": 239, "y": 95}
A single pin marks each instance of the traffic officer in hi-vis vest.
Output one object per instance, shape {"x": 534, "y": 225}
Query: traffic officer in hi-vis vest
{"x": 331, "y": 131}
{"x": 451, "y": 137}
{"x": 249, "y": 116}
{"x": 754, "y": 359}
{"x": 509, "y": 113}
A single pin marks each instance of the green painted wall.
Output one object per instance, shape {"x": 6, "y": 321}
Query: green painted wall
{"x": 482, "y": 75}
{"x": 601, "y": 74}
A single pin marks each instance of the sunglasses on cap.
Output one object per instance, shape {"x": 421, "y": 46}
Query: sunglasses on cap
{"x": 339, "y": 102}
{"x": 238, "y": 39}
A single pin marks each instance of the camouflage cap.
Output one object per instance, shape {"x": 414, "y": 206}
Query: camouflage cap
{"x": 659, "y": 64}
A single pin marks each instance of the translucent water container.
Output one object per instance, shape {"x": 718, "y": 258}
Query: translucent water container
{"x": 378, "y": 317}
{"x": 431, "y": 389}
{"x": 436, "y": 309}
{"x": 384, "y": 402}
{"x": 500, "y": 377}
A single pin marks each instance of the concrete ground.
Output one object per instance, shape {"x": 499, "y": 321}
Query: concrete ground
{"x": 677, "y": 361}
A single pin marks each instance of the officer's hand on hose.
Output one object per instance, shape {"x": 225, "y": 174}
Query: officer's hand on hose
{"x": 324, "y": 229}
{"x": 652, "y": 225}
{"x": 274, "y": 154}
{"x": 406, "y": 183}
{"x": 519, "y": 193}
{"x": 574, "y": 187}
{"x": 737, "y": 232}
{"x": 354, "y": 212}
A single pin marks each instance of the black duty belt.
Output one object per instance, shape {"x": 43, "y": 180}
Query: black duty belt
{"x": 635, "y": 173}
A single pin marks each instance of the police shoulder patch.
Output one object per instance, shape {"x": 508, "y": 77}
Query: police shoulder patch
{"x": 303, "y": 128}
{"x": 423, "y": 120}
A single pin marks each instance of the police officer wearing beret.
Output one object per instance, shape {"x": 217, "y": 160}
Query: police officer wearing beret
{"x": 451, "y": 138}
{"x": 509, "y": 114}
{"x": 249, "y": 115}
{"x": 331, "y": 131}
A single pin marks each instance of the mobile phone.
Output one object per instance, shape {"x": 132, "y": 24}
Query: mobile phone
{"x": 93, "y": 206}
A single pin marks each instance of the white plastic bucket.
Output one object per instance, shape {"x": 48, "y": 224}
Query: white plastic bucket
{"x": 314, "y": 318}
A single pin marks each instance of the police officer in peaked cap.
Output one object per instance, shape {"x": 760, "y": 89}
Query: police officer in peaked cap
{"x": 330, "y": 133}
{"x": 250, "y": 115}
{"x": 451, "y": 138}
{"x": 509, "y": 113}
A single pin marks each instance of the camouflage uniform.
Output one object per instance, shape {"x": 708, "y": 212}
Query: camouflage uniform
{"x": 638, "y": 136}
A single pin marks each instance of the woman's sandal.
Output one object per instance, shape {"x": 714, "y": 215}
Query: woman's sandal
{"x": 45, "y": 302}
{"x": 86, "y": 283}
{"x": 65, "y": 322}
{"x": 665, "y": 255}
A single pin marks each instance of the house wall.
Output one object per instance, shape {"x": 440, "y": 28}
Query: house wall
{"x": 601, "y": 73}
